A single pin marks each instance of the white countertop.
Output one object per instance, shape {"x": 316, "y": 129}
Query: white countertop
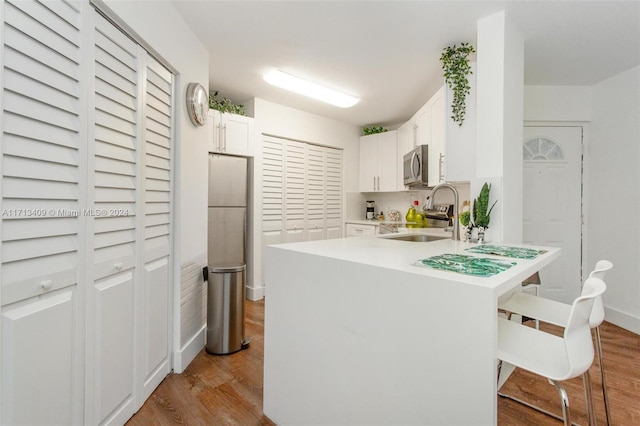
{"x": 383, "y": 252}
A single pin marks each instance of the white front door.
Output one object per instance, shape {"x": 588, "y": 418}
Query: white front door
{"x": 552, "y": 193}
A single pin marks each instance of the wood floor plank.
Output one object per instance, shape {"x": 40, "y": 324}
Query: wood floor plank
{"x": 227, "y": 390}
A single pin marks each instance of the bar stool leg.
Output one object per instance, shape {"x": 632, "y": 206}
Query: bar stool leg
{"x": 588, "y": 396}
{"x": 604, "y": 383}
{"x": 566, "y": 413}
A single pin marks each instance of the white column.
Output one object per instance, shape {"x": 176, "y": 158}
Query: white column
{"x": 500, "y": 82}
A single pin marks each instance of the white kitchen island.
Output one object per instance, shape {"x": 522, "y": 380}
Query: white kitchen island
{"x": 357, "y": 335}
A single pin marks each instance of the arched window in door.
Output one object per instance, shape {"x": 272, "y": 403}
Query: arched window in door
{"x": 542, "y": 149}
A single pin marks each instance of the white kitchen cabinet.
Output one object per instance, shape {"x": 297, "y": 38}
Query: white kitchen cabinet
{"x": 379, "y": 162}
{"x": 460, "y": 141}
{"x": 358, "y": 229}
{"x": 230, "y": 133}
{"x": 451, "y": 147}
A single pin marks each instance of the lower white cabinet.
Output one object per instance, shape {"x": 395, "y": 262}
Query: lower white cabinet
{"x": 358, "y": 230}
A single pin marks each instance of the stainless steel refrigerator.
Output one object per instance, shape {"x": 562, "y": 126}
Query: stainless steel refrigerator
{"x": 227, "y": 210}
{"x": 226, "y": 254}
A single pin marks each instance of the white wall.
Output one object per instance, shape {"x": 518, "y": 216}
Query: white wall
{"x": 500, "y": 82}
{"x": 282, "y": 121}
{"x": 613, "y": 193}
{"x": 557, "y": 103}
{"x": 171, "y": 38}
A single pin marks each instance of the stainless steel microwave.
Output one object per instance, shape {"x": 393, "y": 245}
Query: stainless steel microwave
{"x": 416, "y": 173}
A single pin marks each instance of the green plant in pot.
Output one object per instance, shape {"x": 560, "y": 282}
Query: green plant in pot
{"x": 456, "y": 69}
{"x": 225, "y": 104}
{"x": 482, "y": 211}
{"x": 372, "y": 130}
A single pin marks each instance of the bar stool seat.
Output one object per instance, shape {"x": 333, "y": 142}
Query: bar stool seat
{"x": 553, "y": 357}
{"x": 558, "y": 313}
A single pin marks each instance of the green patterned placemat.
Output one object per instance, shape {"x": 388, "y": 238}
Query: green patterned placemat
{"x": 465, "y": 264}
{"x": 515, "y": 252}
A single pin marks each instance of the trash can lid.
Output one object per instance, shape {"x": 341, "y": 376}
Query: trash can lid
{"x": 222, "y": 268}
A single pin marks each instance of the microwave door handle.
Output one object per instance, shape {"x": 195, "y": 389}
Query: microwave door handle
{"x": 414, "y": 175}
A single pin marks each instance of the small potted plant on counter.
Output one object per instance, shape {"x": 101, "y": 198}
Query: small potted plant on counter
{"x": 482, "y": 211}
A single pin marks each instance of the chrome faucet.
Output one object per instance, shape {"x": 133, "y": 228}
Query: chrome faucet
{"x": 456, "y": 201}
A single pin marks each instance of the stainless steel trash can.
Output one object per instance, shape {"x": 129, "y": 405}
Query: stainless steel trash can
{"x": 225, "y": 309}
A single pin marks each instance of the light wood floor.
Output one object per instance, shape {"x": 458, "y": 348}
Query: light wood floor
{"x": 227, "y": 390}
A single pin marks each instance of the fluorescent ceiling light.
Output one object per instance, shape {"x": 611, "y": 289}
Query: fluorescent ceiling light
{"x": 312, "y": 90}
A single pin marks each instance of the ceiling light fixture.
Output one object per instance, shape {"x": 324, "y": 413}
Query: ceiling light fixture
{"x": 312, "y": 90}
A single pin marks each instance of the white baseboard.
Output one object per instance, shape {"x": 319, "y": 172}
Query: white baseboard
{"x": 186, "y": 354}
{"x": 255, "y": 293}
{"x": 623, "y": 319}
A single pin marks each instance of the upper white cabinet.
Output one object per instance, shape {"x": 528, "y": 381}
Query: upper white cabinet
{"x": 230, "y": 133}
{"x": 379, "y": 162}
{"x": 451, "y": 147}
{"x": 460, "y": 141}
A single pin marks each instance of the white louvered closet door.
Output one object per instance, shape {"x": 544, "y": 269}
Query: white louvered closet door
{"x": 272, "y": 194}
{"x": 113, "y": 220}
{"x": 42, "y": 169}
{"x": 316, "y": 189}
{"x": 333, "y": 205}
{"x": 154, "y": 314}
{"x": 128, "y": 313}
{"x": 295, "y": 191}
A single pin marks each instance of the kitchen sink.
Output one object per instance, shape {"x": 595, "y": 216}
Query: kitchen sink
{"x": 418, "y": 238}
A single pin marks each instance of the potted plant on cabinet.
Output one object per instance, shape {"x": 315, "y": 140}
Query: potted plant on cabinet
{"x": 456, "y": 68}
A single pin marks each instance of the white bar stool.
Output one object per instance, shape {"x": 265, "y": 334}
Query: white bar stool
{"x": 557, "y": 313}
{"x": 556, "y": 358}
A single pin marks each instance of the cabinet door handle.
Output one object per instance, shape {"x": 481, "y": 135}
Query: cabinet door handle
{"x": 374, "y": 183}
{"x": 219, "y": 137}
{"x": 46, "y": 284}
{"x": 224, "y": 132}
{"x": 378, "y": 183}
{"x": 441, "y": 168}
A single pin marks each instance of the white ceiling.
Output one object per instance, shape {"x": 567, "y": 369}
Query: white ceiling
{"x": 387, "y": 52}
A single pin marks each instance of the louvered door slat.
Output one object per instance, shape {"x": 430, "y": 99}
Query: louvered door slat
{"x": 115, "y": 150}
{"x": 64, "y": 44}
{"x": 39, "y": 91}
{"x": 272, "y": 185}
{"x": 157, "y": 159}
{"x": 17, "y": 40}
{"x": 37, "y": 71}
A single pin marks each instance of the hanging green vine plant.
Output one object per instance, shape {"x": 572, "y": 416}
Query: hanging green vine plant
{"x": 456, "y": 68}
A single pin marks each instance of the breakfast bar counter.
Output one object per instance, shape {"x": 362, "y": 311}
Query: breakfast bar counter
{"x": 358, "y": 332}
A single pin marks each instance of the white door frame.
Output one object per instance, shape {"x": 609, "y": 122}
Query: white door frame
{"x": 584, "y": 267}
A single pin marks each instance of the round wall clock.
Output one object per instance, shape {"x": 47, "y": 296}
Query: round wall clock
{"x": 197, "y": 103}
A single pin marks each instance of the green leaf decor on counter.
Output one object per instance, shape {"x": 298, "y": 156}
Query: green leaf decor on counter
{"x": 507, "y": 251}
{"x": 465, "y": 264}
